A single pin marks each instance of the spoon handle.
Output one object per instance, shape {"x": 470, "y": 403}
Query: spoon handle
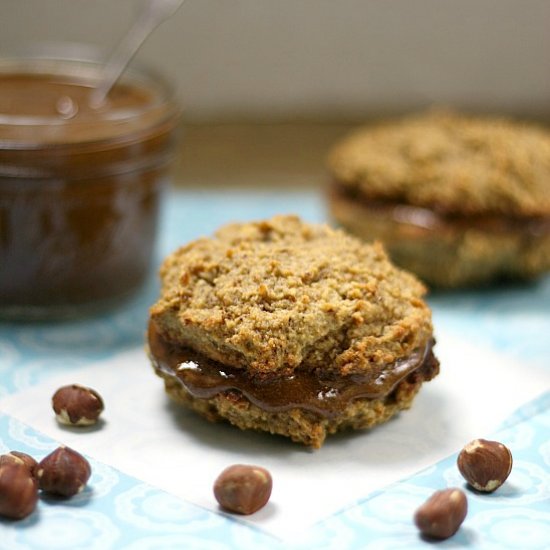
{"x": 150, "y": 17}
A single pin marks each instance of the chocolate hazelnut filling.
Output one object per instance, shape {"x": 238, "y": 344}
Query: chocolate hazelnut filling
{"x": 433, "y": 219}
{"x": 328, "y": 396}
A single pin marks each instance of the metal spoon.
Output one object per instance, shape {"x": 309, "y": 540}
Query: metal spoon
{"x": 150, "y": 17}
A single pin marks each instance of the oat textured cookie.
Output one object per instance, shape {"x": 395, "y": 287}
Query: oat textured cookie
{"x": 457, "y": 200}
{"x": 290, "y": 328}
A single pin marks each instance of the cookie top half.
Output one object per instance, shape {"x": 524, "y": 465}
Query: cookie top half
{"x": 450, "y": 163}
{"x": 278, "y": 295}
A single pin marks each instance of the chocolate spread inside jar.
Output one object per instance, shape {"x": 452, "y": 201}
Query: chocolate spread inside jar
{"x": 203, "y": 378}
{"x": 79, "y": 187}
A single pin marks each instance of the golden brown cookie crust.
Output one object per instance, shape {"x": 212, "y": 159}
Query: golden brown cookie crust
{"x": 275, "y": 295}
{"x": 450, "y": 163}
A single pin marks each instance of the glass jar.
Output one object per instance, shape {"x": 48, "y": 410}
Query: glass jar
{"x": 79, "y": 186}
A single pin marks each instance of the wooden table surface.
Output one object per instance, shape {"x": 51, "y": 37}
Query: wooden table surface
{"x": 286, "y": 155}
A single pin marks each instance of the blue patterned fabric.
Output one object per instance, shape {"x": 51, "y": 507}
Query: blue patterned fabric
{"x": 120, "y": 512}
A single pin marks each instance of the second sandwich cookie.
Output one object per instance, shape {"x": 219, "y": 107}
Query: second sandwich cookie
{"x": 458, "y": 200}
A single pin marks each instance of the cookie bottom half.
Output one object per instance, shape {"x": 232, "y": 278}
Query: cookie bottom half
{"x": 448, "y": 251}
{"x": 300, "y": 425}
{"x": 305, "y": 406}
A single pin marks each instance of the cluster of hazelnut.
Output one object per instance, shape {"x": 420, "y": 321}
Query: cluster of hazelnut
{"x": 63, "y": 473}
{"x": 485, "y": 465}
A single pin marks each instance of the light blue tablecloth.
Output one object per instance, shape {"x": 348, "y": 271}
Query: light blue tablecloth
{"x": 122, "y": 512}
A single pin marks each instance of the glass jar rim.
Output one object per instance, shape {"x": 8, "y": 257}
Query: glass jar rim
{"x": 87, "y": 70}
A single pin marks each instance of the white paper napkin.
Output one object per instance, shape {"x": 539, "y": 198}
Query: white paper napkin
{"x": 146, "y": 436}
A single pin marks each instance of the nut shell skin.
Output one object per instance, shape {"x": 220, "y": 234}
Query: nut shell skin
{"x": 63, "y": 472}
{"x": 17, "y": 457}
{"x": 18, "y": 491}
{"x": 243, "y": 489}
{"x": 485, "y": 464}
{"x": 442, "y": 514}
{"x": 76, "y": 405}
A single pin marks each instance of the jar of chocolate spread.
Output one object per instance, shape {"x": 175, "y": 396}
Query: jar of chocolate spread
{"x": 79, "y": 185}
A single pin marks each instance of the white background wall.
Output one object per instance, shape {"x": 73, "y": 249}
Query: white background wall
{"x": 321, "y": 58}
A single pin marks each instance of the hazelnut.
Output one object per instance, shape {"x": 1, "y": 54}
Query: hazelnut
{"x": 63, "y": 472}
{"x": 243, "y": 489}
{"x": 442, "y": 514}
{"x": 77, "y": 405}
{"x": 18, "y": 491}
{"x": 17, "y": 457}
{"x": 484, "y": 464}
